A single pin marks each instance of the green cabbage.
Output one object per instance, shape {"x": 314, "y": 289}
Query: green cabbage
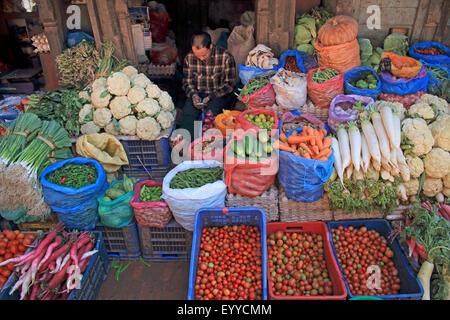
{"x": 302, "y": 35}
{"x": 308, "y": 48}
{"x": 397, "y": 43}
{"x": 365, "y": 48}
{"x": 375, "y": 58}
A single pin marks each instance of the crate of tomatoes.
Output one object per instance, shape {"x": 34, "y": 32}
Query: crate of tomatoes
{"x": 301, "y": 264}
{"x": 228, "y": 257}
{"x": 372, "y": 264}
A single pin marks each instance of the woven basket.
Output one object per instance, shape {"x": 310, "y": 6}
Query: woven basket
{"x": 291, "y": 211}
{"x": 268, "y": 201}
{"x": 310, "y": 108}
{"x": 161, "y": 70}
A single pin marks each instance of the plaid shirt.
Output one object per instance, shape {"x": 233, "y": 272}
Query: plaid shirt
{"x": 215, "y": 77}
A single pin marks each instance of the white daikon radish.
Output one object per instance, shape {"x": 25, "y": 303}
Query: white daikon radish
{"x": 337, "y": 159}
{"x": 355, "y": 144}
{"x": 383, "y": 140}
{"x": 372, "y": 143}
{"x": 403, "y": 165}
{"x": 388, "y": 123}
{"x": 365, "y": 154}
{"x": 349, "y": 171}
{"x": 344, "y": 146}
{"x": 397, "y": 130}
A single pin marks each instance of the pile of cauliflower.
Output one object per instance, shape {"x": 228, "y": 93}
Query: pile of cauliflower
{"x": 427, "y": 129}
{"x": 127, "y": 103}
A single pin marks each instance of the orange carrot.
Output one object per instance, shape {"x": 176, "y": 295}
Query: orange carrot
{"x": 312, "y": 141}
{"x": 315, "y": 150}
{"x": 326, "y": 143}
{"x": 305, "y": 147}
{"x": 297, "y": 153}
{"x": 283, "y": 146}
{"x": 294, "y": 133}
{"x": 319, "y": 142}
{"x": 307, "y": 156}
{"x": 283, "y": 137}
{"x": 324, "y": 153}
{"x": 321, "y": 159}
{"x": 298, "y": 139}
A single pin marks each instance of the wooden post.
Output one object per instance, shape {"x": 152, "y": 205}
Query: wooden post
{"x": 421, "y": 16}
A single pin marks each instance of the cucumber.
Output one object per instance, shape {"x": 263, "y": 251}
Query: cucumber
{"x": 269, "y": 148}
{"x": 248, "y": 140}
{"x": 259, "y": 147}
{"x": 239, "y": 148}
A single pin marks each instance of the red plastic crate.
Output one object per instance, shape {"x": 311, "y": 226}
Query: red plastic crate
{"x": 339, "y": 289}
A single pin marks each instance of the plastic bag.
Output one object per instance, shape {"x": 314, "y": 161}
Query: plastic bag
{"x": 159, "y": 23}
{"x": 309, "y": 61}
{"x": 117, "y": 213}
{"x": 184, "y": 203}
{"x": 434, "y": 83}
{"x": 150, "y": 213}
{"x": 215, "y": 154}
{"x": 74, "y": 38}
{"x": 286, "y": 95}
{"x": 335, "y": 118}
{"x": 353, "y": 75}
{"x": 247, "y": 73}
{"x": 103, "y": 147}
{"x": 245, "y": 125}
{"x": 432, "y": 59}
{"x": 221, "y": 121}
{"x": 302, "y": 179}
{"x": 81, "y": 217}
{"x": 292, "y": 53}
{"x": 249, "y": 178}
{"x": 163, "y": 53}
{"x": 295, "y": 119}
{"x": 403, "y": 67}
{"x": 264, "y": 97}
{"x": 240, "y": 42}
{"x": 321, "y": 94}
{"x": 65, "y": 197}
{"x": 407, "y": 99}
{"x": 403, "y": 86}
{"x": 341, "y": 57}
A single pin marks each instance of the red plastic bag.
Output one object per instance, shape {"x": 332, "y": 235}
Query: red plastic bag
{"x": 407, "y": 100}
{"x": 244, "y": 124}
{"x": 159, "y": 23}
{"x": 249, "y": 178}
{"x": 265, "y": 97}
{"x": 321, "y": 94}
{"x": 214, "y": 154}
{"x": 150, "y": 213}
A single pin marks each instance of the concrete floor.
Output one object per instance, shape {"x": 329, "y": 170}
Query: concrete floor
{"x": 160, "y": 281}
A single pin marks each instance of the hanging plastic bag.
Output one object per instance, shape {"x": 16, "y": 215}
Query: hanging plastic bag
{"x": 184, "y": 203}
{"x": 402, "y": 86}
{"x": 341, "y": 110}
{"x": 321, "y": 94}
{"x": 430, "y": 58}
{"x": 117, "y": 213}
{"x": 290, "y": 88}
{"x": 354, "y": 75}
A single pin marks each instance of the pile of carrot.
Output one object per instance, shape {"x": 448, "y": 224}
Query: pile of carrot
{"x": 310, "y": 143}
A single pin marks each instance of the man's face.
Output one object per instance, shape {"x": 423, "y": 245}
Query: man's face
{"x": 200, "y": 52}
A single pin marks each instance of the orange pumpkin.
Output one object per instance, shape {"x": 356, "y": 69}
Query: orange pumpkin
{"x": 338, "y": 30}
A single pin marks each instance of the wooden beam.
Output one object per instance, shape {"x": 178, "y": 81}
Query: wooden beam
{"x": 421, "y": 15}
{"x": 124, "y": 21}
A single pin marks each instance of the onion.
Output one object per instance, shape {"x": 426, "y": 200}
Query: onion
{"x": 207, "y": 121}
{"x": 209, "y": 114}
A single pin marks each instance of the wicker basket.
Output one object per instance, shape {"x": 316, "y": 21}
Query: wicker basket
{"x": 268, "y": 201}
{"x": 291, "y": 211}
{"x": 310, "y": 108}
{"x": 161, "y": 70}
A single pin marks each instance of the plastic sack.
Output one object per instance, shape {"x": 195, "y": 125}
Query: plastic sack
{"x": 244, "y": 124}
{"x": 353, "y": 75}
{"x": 214, "y": 154}
{"x": 341, "y": 57}
{"x": 66, "y": 197}
{"x": 150, "y": 213}
{"x": 249, "y": 178}
{"x": 309, "y": 61}
{"x": 9, "y": 113}
{"x": 239, "y": 44}
{"x": 103, "y": 147}
{"x": 432, "y": 59}
{"x": 159, "y": 23}
{"x": 117, "y": 213}
{"x": 404, "y": 86}
{"x": 18, "y": 216}
{"x": 302, "y": 179}
{"x": 298, "y": 58}
{"x": 81, "y": 217}
{"x": 74, "y": 38}
{"x": 434, "y": 83}
{"x": 247, "y": 73}
{"x": 335, "y": 118}
{"x": 264, "y": 97}
{"x": 407, "y": 100}
{"x": 163, "y": 53}
{"x": 402, "y": 66}
{"x": 184, "y": 203}
{"x": 221, "y": 121}
{"x": 321, "y": 94}
{"x": 296, "y": 119}
{"x": 287, "y": 96}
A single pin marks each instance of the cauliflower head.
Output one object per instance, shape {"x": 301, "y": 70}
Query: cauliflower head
{"x": 165, "y": 100}
{"x": 432, "y": 186}
{"x": 99, "y": 83}
{"x": 120, "y": 107}
{"x": 440, "y": 129}
{"x": 440, "y": 103}
{"x": 148, "y": 106}
{"x": 421, "y": 109}
{"x": 165, "y": 119}
{"x": 113, "y": 127}
{"x": 141, "y": 80}
{"x": 100, "y": 97}
{"x": 415, "y": 165}
{"x": 147, "y": 129}
{"x": 136, "y": 94}
{"x": 437, "y": 163}
{"x": 118, "y": 84}
{"x": 83, "y": 94}
{"x": 417, "y": 131}
{"x": 130, "y": 71}
{"x": 412, "y": 187}
{"x": 102, "y": 117}
{"x": 89, "y": 128}
{"x": 153, "y": 91}
{"x": 86, "y": 114}
{"x": 128, "y": 125}
{"x": 446, "y": 181}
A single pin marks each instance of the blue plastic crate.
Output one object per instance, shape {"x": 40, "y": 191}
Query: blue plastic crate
{"x": 220, "y": 217}
{"x": 121, "y": 243}
{"x": 410, "y": 287}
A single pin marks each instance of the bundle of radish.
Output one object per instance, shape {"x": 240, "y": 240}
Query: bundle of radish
{"x": 54, "y": 267}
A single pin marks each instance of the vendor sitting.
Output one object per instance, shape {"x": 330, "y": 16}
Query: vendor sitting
{"x": 209, "y": 80}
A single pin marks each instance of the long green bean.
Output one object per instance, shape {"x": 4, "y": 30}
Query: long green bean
{"x": 196, "y": 177}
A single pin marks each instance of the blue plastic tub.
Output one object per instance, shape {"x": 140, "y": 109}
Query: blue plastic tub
{"x": 410, "y": 287}
{"x": 220, "y": 217}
